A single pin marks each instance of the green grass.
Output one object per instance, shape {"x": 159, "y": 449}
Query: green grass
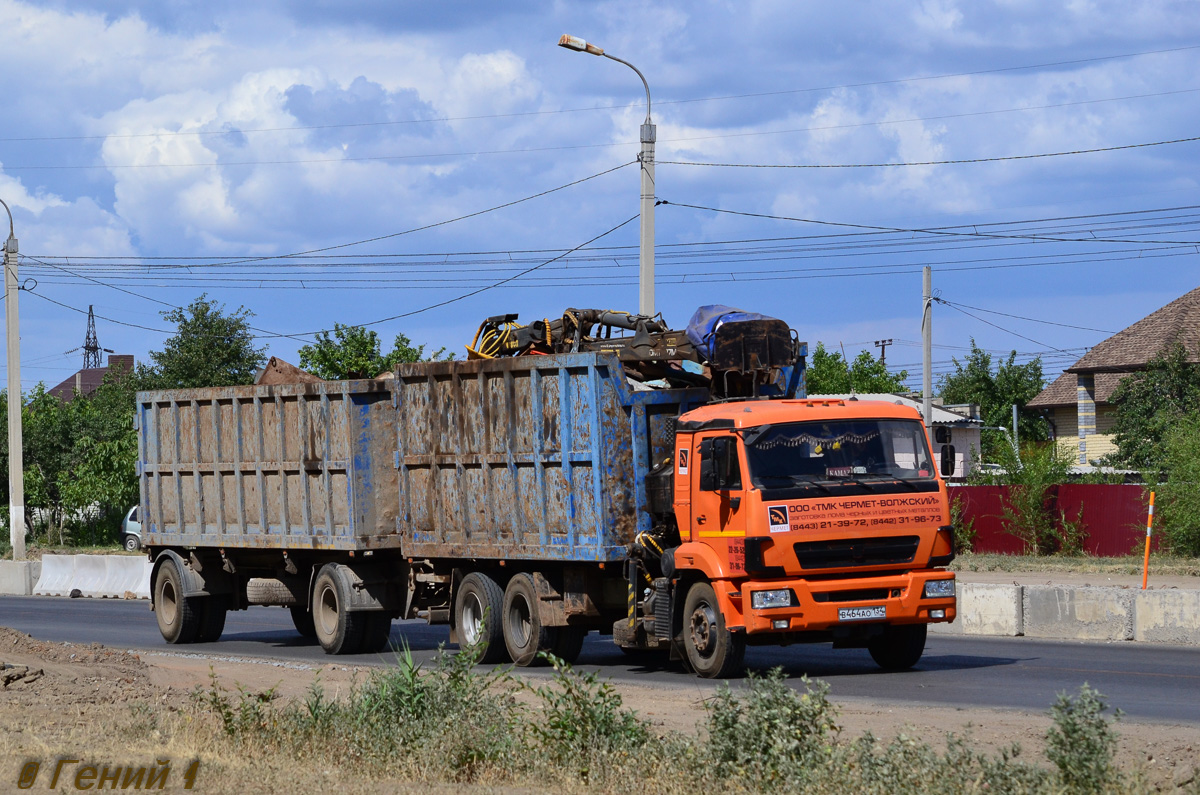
{"x": 1160, "y": 565}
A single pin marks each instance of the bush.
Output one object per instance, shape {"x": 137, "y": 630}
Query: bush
{"x": 1178, "y": 499}
{"x": 1029, "y": 511}
{"x": 770, "y": 734}
{"x": 1081, "y": 743}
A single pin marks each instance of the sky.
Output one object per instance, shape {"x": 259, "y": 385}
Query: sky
{"x": 421, "y": 166}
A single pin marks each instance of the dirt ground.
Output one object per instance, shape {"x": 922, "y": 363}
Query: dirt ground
{"x": 109, "y": 707}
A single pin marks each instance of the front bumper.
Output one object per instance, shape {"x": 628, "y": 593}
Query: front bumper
{"x": 815, "y": 604}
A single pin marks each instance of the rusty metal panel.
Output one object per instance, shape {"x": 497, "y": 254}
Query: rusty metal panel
{"x": 534, "y": 457}
{"x": 290, "y": 466}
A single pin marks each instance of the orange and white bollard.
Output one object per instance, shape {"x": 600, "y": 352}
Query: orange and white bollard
{"x": 1149, "y": 524}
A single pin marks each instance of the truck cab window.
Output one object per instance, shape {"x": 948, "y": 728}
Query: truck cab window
{"x": 720, "y": 469}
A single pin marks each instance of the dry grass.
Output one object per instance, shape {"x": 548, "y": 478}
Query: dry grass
{"x": 1161, "y": 565}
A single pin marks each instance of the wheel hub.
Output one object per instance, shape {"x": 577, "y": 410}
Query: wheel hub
{"x": 704, "y": 626}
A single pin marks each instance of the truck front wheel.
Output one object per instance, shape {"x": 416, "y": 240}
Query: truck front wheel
{"x": 713, "y": 651}
{"x": 899, "y": 647}
{"x": 339, "y": 631}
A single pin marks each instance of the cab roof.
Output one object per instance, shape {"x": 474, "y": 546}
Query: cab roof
{"x": 752, "y": 413}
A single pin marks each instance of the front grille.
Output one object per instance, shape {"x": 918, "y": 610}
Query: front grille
{"x": 868, "y": 595}
{"x": 846, "y": 553}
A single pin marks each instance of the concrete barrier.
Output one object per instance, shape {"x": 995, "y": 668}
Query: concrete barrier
{"x": 17, "y": 577}
{"x": 1079, "y": 613}
{"x": 1169, "y": 616}
{"x": 124, "y": 574}
{"x": 57, "y": 576}
{"x": 90, "y": 572}
{"x": 991, "y": 609}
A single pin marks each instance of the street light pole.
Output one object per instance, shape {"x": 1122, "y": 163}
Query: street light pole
{"x": 16, "y": 472}
{"x": 646, "y": 159}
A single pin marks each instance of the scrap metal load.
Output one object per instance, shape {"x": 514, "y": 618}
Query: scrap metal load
{"x": 734, "y": 353}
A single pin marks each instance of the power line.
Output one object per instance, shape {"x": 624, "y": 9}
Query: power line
{"x": 933, "y": 162}
{"x": 1030, "y": 319}
{"x": 993, "y": 325}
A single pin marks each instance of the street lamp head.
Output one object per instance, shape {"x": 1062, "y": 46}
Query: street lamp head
{"x": 579, "y": 45}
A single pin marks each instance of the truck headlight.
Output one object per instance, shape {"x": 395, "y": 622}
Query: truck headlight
{"x": 939, "y": 589}
{"x": 764, "y": 600}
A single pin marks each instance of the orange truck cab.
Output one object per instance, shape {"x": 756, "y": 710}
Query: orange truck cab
{"x": 800, "y": 521}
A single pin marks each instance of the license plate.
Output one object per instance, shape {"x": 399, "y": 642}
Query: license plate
{"x": 861, "y": 613}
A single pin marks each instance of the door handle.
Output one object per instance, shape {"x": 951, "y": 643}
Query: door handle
{"x": 701, "y": 519}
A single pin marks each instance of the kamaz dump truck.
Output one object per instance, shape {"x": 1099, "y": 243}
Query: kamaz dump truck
{"x": 527, "y": 500}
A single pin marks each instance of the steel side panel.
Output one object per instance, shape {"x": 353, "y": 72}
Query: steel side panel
{"x": 293, "y": 466}
{"x": 535, "y": 457}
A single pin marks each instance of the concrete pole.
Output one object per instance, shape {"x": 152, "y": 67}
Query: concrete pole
{"x": 16, "y": 473}
{"x": 646, "y": 249}
{"x": 927, "y": 344}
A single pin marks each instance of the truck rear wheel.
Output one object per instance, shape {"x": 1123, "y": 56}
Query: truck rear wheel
{"x": 478, "y": 604}
{"x": 178, "y": 615}
{"x": 899, "y": 647}
{"x": 569, "y": 643}
{"x": 376, "y": 632}
{"x": 713, "y": 651}
{"x": 524, "y": 635}
{"x": 339, "y": 631}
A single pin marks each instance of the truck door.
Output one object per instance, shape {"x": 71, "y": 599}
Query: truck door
{"x": 718, "y": 504}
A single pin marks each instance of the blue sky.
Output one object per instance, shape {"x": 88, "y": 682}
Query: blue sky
{"x": 147, "y": 147}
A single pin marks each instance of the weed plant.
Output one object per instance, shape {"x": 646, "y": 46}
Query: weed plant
{"x": 453, "y": 723}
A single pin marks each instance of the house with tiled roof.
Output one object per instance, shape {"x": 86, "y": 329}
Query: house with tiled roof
{"x": 89, "y": 379}
{"x": 1077, "y": 403}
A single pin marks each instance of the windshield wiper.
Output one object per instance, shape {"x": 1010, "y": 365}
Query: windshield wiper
{"x": 857, "y": 480}
{"x": 796, "y": 480}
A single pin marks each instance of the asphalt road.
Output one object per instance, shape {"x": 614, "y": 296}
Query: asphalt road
{"x": 1154, "y": 682}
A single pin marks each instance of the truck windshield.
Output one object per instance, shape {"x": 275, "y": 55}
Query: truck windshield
{"x": 854, "y": 451}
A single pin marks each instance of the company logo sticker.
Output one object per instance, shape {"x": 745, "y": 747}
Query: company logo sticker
{"x": 777, "y": 518}
{"x": 683, "y": 461}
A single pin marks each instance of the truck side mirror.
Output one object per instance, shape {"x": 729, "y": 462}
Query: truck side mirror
{"x": 947, "y": 460}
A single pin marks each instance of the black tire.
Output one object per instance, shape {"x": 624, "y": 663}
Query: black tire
{"x": 376, "y": 631}
{"x": 302, "y": 619}
{"x": 178, "y": 615}
{"x": 569, "y": 643}
{"x": 478, "y": 605}
{"x": 713, "y": 651}
{"x": 899, "y": 647}
{"x": 131, "y": 543}
{"x": 524, "y": 635}
{"x": 212, "y": 618}
{"x": 339, "y": 631}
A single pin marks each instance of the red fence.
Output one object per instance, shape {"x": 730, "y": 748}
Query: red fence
{"x": 1113, "y": 518}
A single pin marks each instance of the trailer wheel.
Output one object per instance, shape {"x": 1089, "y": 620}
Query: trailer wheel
{"x": 713, "y": 651}
{"x": 302, "y": 619}
{"x": 376, "y": 631}
{"x": 212, "y": 618}
{"x": 899, "y": 647}
{"x": 569, "y": 643}
{"x": 178, "y": 615}
{"x": 478, "y": 604}
{"x": 524, "y": 635}
{"x": 339, "y": 631}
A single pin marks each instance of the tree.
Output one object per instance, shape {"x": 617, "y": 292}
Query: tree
{"x": 1179, "y": 499}
{"x": 210, "y": 348}
{"x": 354, "y": 352}
{"x": 1150, "y": 404}
{"x": 829, "y": 374}
{"x": 974, "y": 381}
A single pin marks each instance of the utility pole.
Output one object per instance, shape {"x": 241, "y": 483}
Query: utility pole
{"x": 646, "y": 160}
{"x": 16, "y": 472}
{"x": 882, "y": 345}
{"x": 927, "y": 344}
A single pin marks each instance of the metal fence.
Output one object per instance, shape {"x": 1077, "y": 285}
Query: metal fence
{"x": 1113, "y": 518}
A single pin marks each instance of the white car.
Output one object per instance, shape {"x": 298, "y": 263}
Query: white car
{"x": 131, "y": 531}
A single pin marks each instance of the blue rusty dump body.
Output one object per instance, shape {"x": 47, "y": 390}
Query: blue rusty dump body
{"x": 534, "y": 457}
{"x": 294, "y": 466}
